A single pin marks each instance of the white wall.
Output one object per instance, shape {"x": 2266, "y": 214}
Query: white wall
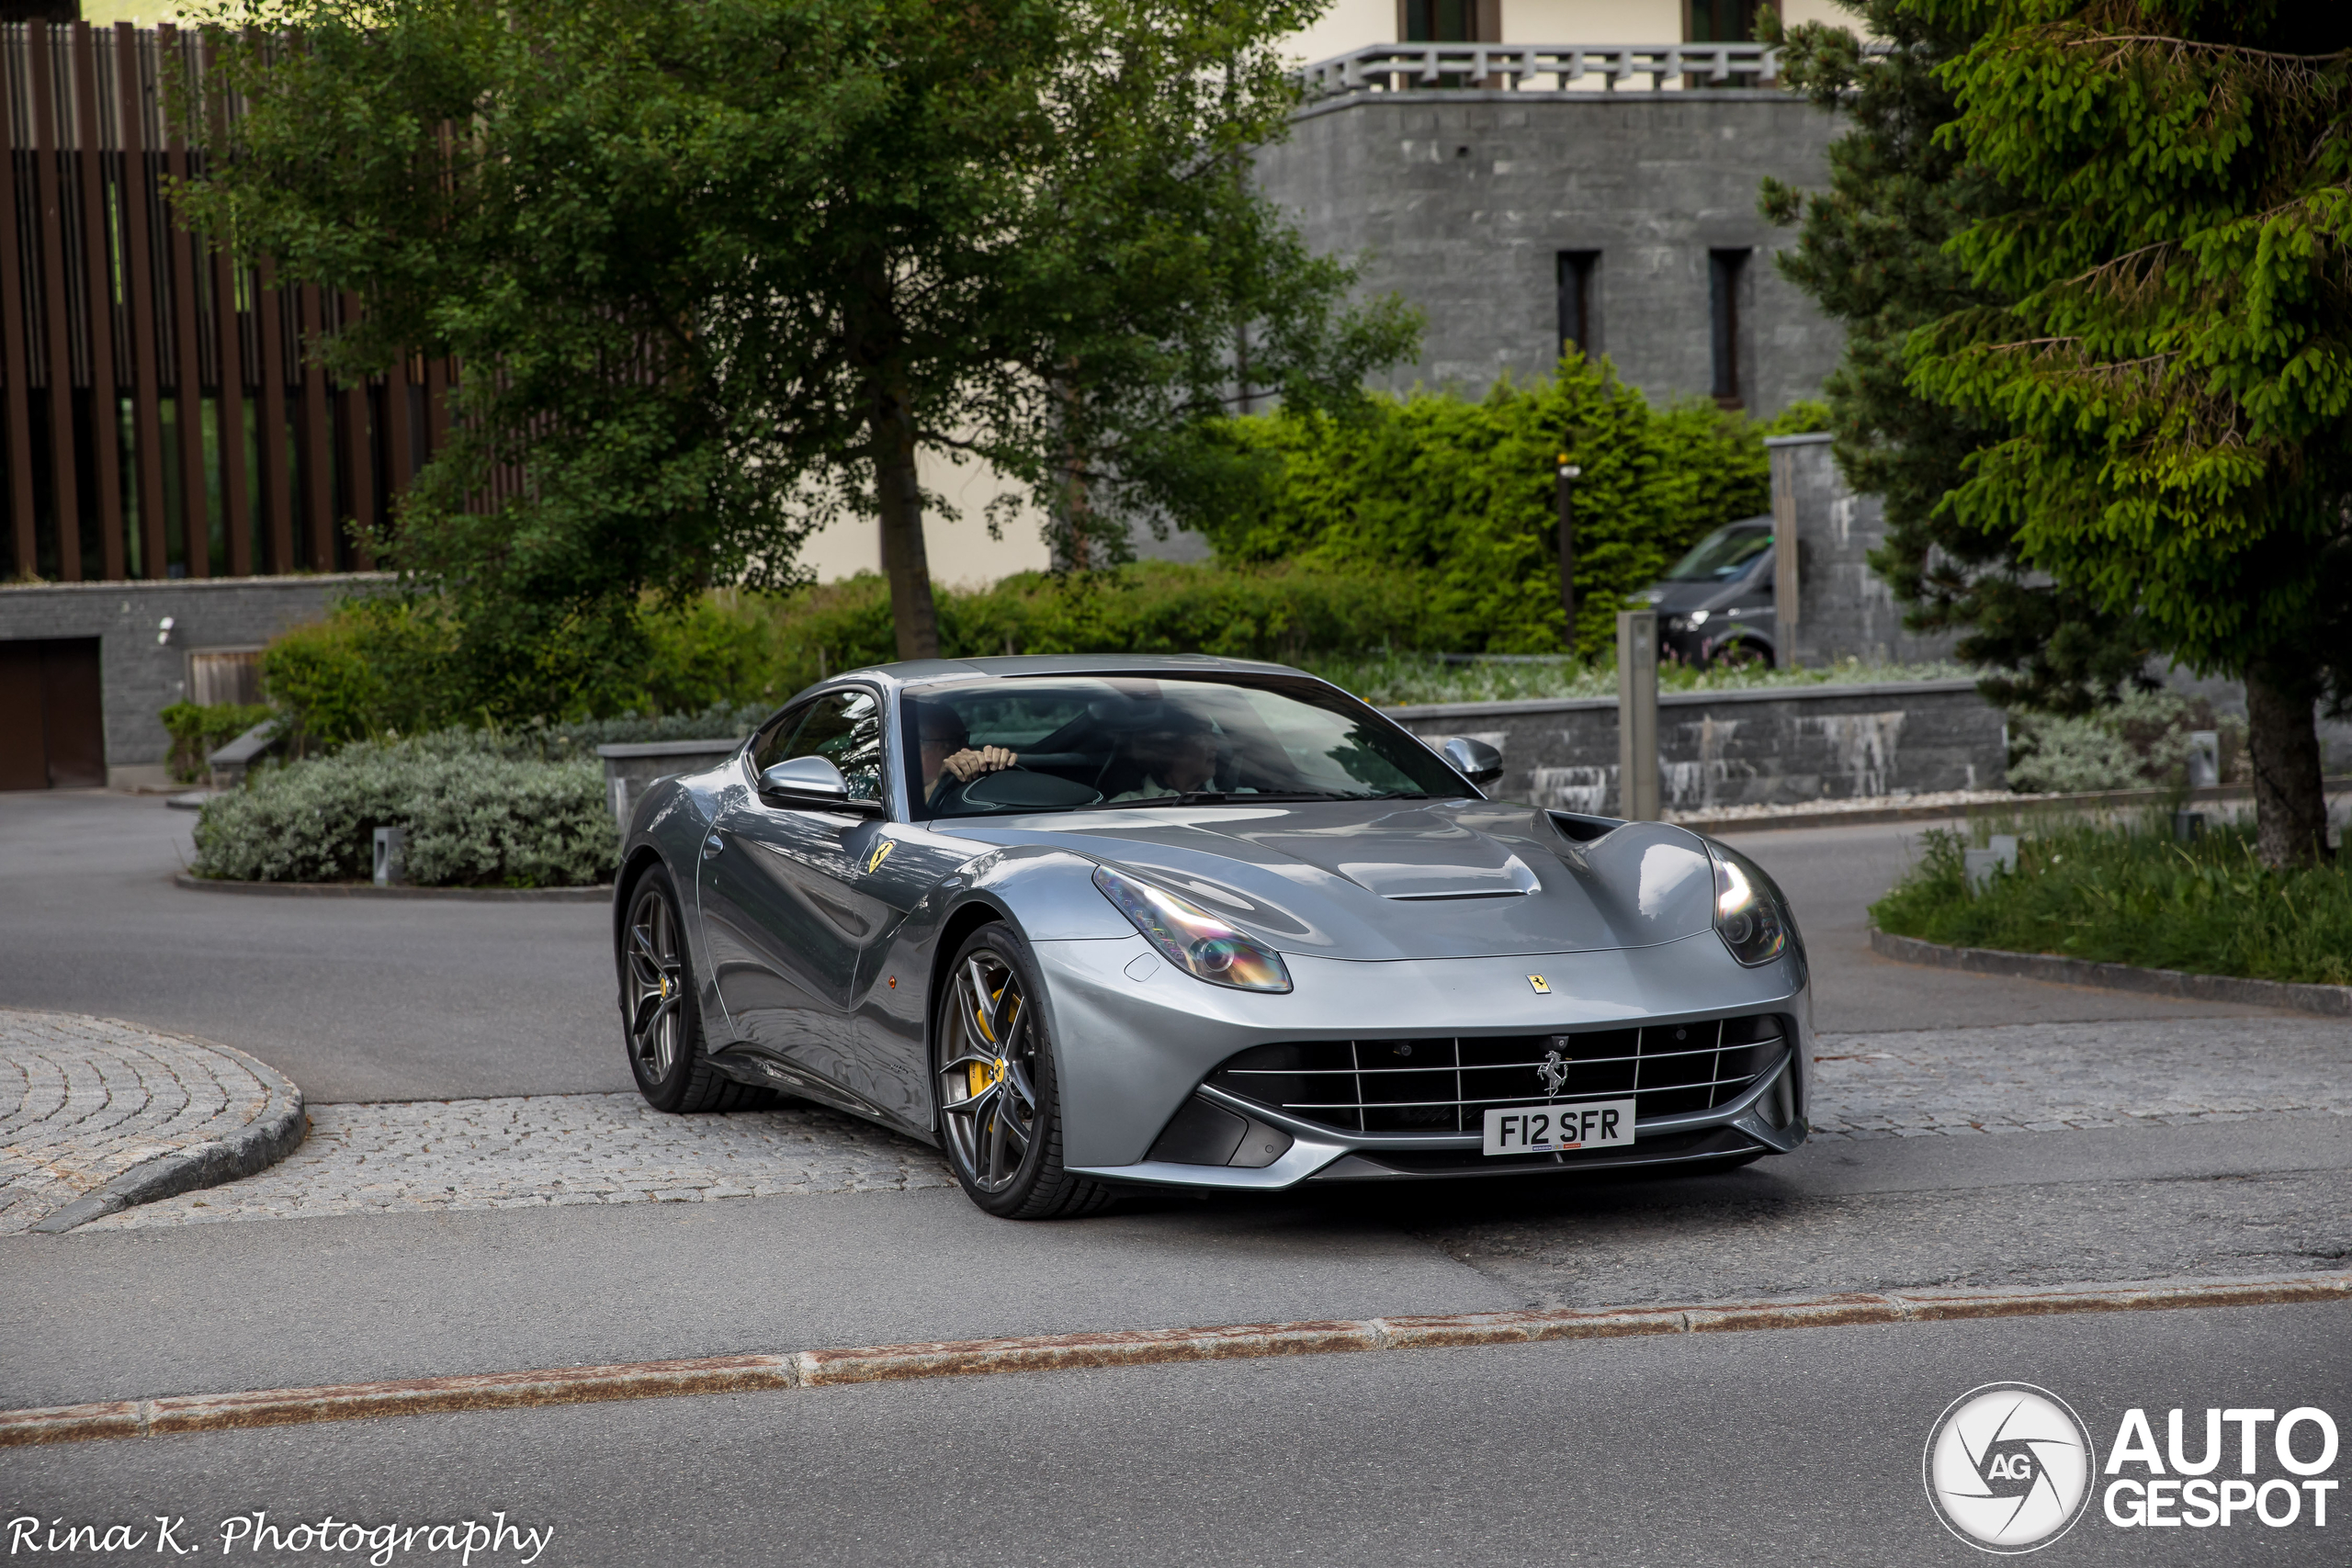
{"x": 962, "y": 554}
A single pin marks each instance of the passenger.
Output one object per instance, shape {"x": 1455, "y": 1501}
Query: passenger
{"x": 947, "y": 751}
{"x": 1178, "y": 753}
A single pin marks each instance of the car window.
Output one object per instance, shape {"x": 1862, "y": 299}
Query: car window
{"x": 1077, "y": 741}
{"x": 845, "y": 728}
{"x": 1724, "y": 554}
{"x": 768, "y": 747}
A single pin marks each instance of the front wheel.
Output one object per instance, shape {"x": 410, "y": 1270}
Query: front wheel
{"x": 1000, "y": 1118}
{"x": 660, "y": 1016}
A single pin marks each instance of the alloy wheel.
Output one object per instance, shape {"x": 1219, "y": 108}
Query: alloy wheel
{"x": 656, "y": 986}
{"x": 987, "y": 1095}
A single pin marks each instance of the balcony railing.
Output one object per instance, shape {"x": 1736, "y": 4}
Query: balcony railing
{"x": 1390, "y": 67}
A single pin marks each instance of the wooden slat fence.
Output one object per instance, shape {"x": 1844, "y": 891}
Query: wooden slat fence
{"x": 161, "y": 412}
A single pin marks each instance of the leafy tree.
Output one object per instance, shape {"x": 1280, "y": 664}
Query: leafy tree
{"x": 719, "y": 269}
{"x": 2174, "y": 378}
{"x": 1871, "y": 253}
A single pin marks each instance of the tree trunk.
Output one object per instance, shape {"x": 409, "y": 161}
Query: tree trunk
{"x": 905, "y": 560}
{"x": 2290, "y": 805}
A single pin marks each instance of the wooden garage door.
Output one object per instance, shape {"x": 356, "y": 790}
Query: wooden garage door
{"x": 52, "y": 727}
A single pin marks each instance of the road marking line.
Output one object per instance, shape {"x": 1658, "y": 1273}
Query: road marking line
{"x": 966, "y": 1358}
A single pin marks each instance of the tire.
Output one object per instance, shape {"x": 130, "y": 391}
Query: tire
{"x": 661, "y": 1015}
{"x": 994, "y": 1080}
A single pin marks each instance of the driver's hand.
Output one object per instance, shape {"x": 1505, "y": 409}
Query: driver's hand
{"x": 969, "y": 764}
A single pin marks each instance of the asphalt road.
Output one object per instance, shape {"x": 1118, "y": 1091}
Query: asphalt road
{"x": 1798, "y": 1446}
{"x": 354, "y": 999}
{"x": 361, "y": 1000}
{"x": 1758, "y": 1447}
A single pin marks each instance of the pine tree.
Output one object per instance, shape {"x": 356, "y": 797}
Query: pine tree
{"x": 2165, "y": 341}
{"x": 1870, "y": 255}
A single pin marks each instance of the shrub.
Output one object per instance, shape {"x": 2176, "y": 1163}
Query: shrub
{"x": 476, "y": 815}
{"x": 2139, "y": 743}
{"x": 1461, "y": 494}
{"x": 198, "y": 731}
{"x": 375, "y": 666}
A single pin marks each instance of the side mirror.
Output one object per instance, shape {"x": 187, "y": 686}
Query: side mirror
{"x": 812, "y": 781}
{"x": 1473, "y": 759}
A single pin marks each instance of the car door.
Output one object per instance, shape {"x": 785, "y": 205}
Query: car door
{"x": 782, "y": 909}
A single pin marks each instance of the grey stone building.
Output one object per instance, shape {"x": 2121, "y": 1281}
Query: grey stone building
{"x": 85, "y": 667}
{"x": 1624, "y": 220}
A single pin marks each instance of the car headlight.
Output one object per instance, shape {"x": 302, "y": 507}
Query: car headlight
{"x": 1193, "y": 940}
{"x": 1747, "y": 917}
{"x": 1698, "y": 618}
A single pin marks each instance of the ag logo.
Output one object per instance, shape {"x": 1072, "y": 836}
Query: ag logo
{"x": 2008, "y": 1467}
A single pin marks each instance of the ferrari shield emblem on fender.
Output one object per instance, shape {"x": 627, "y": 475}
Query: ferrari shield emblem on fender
{"x": 1540, "y": 988}
{"x": 881, "y": 853}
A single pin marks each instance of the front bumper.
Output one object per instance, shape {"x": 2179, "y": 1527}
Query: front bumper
{"x": 1132, "y": 1048}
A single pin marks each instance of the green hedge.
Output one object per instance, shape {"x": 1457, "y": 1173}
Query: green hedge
{"x": 2117, "y": 895}
{"x": 1459, "y": 495}
{"x": 476, "y": 815}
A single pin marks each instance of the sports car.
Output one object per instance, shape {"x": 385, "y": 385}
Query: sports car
{"x": 1089, "y": 922}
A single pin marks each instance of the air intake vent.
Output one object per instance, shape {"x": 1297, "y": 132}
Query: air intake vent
{"x": 1444, "y": 1083}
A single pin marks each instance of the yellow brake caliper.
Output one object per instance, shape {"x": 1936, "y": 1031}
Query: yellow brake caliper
{"x": 979, "y": 1075}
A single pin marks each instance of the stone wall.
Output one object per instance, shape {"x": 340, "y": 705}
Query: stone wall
{"x": 1754, "y": 747}
{"x": 1461, "y": 201}
{"x": 1844, "y": 609}
{"x": 142, "y": 675}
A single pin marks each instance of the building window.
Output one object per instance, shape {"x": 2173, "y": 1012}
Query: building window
{"x": 1579, "y": 283}
{"x": 1724, "y": 270}
{"x": 1448, "y": 21}
{"x": 1718, "y": 21}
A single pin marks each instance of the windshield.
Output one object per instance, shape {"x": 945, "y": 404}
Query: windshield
{"x": 1724, "y": 554}
{"x": 1064, "y": 743}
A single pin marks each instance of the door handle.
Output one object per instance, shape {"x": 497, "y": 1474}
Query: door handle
{"x": 712, "y": 846}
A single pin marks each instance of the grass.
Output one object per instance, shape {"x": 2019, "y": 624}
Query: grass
{"x": 2127, "y": 892}
{"x": 1395, "y": 679}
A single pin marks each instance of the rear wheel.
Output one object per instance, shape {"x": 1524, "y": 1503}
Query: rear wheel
{"x": 661, "y": 1017}
{"x": 1000, "y": 1118}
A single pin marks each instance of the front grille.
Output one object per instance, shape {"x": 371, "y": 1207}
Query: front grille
{"x": 1444, "y": 1083}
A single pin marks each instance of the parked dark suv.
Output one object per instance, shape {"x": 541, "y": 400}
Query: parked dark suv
{"x": 1716, "y": 606}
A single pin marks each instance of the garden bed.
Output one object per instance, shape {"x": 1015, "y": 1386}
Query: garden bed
{"x": 2133, "y": 893}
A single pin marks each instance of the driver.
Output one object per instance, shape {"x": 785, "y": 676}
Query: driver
{"x": 1178, "y": 753}
{"x": 947, "y": 751}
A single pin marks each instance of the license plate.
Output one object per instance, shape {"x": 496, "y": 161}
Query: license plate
{"x": 1548, "y": 1128}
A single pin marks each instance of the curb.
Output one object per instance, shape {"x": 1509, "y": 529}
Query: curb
{"x": 2328, "y": 1002}
{"x": 969, "y": 1358}
{"x": 260, "y": 1144}
{"x": 369, "y": 890}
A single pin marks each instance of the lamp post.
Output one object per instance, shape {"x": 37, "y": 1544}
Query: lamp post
{"x": 1563, "y": 496}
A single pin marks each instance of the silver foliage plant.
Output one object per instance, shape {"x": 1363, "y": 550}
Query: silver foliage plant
{"x": 474, "y": 818}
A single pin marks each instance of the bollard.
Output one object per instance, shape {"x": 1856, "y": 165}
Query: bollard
{"x": 2204, "y": 758}
{"x": 1982, "y": 863}
{"x": 1637, "y": 780}
{"x": 391, "y": 856}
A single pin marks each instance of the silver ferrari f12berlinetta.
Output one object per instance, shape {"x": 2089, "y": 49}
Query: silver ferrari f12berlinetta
{"x": 1091, "y": 921}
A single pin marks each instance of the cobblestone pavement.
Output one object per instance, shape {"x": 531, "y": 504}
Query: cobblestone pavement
{"x": 516, "y": 1153}
{"x": 86, "y": 1098}
{"x": 425, "y": 1156}
{"x": 2044, "y": 1078}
